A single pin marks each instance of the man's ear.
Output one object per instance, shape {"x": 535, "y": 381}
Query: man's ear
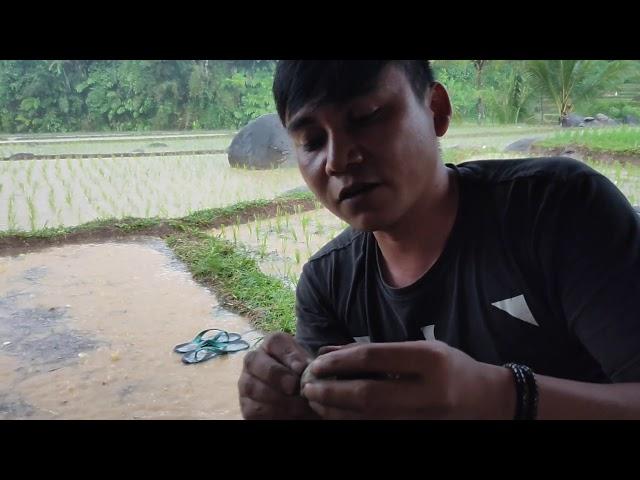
{"x": 441, "y": 107}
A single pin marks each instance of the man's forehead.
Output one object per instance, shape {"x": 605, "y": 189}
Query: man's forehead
{"x": 389, "y": 78}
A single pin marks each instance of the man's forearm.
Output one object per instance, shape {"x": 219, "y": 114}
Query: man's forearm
{"x": 561, "y": 399}
{"x": 571, "y": 400}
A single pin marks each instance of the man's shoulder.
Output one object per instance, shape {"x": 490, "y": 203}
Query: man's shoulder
{"x": 343, "y": 245}
{"x": 509, "y": 170}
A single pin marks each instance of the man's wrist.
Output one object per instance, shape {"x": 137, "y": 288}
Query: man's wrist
{"x": 499, "y": 400}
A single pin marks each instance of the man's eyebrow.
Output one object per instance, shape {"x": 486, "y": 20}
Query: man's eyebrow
{"x": 299, "y": 123}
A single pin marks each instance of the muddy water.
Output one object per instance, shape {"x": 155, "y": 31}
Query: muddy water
{"x": 87, "y": 332}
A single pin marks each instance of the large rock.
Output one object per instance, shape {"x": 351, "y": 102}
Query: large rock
{"x": 573, "y": 120}
{"x": 522, "y": 145}
{"x": 262, "y": 144}
{"x": 599, "y": 120}
{"x": 631, "y": 120}
{"x": 602, "y": 119}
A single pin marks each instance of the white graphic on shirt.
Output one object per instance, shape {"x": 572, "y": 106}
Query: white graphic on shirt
{"x": 429, "y": 332}
{"x": 364, "y": 339}
{"x": 517, "y": 307}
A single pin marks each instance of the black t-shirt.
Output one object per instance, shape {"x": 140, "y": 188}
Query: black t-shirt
{"x": 542, "y": 267}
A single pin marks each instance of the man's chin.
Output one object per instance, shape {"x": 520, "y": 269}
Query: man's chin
{"x": 366, "y": 223}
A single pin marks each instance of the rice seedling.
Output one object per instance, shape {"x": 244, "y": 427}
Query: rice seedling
{"x": 235, "y": 234}
{"x": 30, "y": 168}
{"x": 33, "y": 214}
{"x": 52, "y": 199}
{"x": 263, "y": 247}
{"x": 11, "y": 213}
{"x": 59, "y": 218}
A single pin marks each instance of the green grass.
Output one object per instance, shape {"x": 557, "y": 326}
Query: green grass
{"x": 266, "y": 300}
{"x": 619, "y": 140}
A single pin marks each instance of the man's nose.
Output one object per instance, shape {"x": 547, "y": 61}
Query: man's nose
{"x": 342, "y": 152}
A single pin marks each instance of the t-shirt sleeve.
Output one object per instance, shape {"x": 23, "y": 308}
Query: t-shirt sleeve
{"x": 598, "y": 273}
{"x": 317, "y": 324}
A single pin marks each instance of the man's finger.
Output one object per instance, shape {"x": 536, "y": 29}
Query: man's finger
{"x": 262, "y": 366}
{"x": 287, "y": 351}
{"x": 256, "y": 389}
{"x": 362, "y": 395}
{"x": 294, "y": 408}
{"x": 391, "y": 358}
{"x": 330, "y": 413}
{"x": 333, "y": 348}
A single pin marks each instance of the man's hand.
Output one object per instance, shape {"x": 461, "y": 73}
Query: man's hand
{"x": 270, "y": 380}
{"x": 426, "y": 380}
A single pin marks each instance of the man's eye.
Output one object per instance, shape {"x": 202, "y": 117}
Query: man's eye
{"x": 367, "y": 117}
{"x": 312, "y": 145}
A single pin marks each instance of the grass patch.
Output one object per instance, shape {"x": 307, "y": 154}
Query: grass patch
{"x": 265, "y": 300}
{"x": 622, "y": 140}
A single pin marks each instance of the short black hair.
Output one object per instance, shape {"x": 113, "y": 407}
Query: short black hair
{"x": 298, "y": 82}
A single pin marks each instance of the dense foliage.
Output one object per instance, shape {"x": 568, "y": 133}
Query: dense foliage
{"x": 111, "y": 95}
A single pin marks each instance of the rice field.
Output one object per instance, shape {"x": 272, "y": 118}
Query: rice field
{"x": 624, "y": 139}
{"x": 35, "y": 194}
{"x": 283, "y": 244}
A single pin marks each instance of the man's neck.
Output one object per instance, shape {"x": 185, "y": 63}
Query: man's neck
{"x": 415, "y": 243}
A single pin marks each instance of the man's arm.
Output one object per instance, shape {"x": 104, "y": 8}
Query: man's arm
{"x": 317, "y": 324}
{"x": 594, "y": 265}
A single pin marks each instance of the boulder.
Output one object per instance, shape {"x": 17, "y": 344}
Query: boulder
{"x": 261, "y": 145}
{"x": 631, "y": 120}
{"x": 522, "y": 145}
{"x": 602, "y": 119}
{"x": 573, "y": 120}
{"x": 599, "y": 120}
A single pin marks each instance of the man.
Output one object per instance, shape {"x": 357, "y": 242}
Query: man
{"x": 532, "y": 263}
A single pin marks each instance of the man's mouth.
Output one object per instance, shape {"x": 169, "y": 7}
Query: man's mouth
{"x": 355, "y": 190}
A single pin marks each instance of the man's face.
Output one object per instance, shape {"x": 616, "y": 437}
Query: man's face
{"x": 371, "y": 159}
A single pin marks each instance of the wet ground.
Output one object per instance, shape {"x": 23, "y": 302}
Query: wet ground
{"x": 87, "y": 332}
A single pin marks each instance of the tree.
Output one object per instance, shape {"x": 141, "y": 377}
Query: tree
{"x": 479, "y": 66}
{"x": 569, "y": 81}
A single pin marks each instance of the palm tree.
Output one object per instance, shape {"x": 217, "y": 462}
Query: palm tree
{"x": 567, "y": 82}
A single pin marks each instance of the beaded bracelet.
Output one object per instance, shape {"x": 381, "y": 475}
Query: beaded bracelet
{"x": 526, "y": 391}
